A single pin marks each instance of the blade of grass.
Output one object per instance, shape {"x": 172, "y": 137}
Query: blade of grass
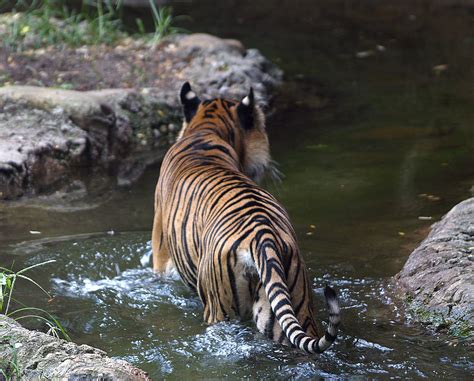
{"x": 10, "y": 294}
{"x": 36, "y": 284}
{"x": 35, "y": 265}
{"x": 50, "y": 318}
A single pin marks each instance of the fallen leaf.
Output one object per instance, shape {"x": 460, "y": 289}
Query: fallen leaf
{"x": 365, "y": 54}
{"x": 438, "y": 69}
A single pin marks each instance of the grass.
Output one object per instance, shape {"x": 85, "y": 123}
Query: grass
{"x": 163, "y": 22}
{"x": 44, "y": 23}
{"x": 8, "y": 279}
{"x": 11, "y": 370}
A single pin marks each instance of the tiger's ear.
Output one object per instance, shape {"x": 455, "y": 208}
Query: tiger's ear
{"x": 189, "y": 100}
{"x": 246, "y": 110}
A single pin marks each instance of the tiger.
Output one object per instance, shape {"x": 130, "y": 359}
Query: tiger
{"x": 226, "y": 237}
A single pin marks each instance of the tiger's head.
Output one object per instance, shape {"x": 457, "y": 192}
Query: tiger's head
{"x": 240, "y": 124}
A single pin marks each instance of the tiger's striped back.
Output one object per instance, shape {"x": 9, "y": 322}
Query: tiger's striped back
{"x": 229, "y": 239}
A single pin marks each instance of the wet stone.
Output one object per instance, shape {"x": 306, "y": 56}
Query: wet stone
{"x": 438, "y": 277}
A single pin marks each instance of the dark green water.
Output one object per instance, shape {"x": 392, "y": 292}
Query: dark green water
{"x": 392, "y": 130}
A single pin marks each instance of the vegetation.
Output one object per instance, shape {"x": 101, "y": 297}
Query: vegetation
{"x": 8, "y": 279}
{"x": 10, "y": 369}
{"x": 47, "y": 22}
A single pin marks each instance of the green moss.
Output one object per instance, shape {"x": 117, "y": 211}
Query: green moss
{"x": 456, "y": 327}
{"x": 462, "y": 330}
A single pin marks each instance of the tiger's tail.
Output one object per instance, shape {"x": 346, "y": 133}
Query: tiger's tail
{"x": 272, "y": 276}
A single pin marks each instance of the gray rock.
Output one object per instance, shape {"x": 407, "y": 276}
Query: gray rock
{"x": 51, "y": 137}
{"x": 223, "y": 67}
{"x": 209, "y": 43}
{"x": 36, "y": 147}
{"x": 36, "y": 356}
{"x": 438, "y": 277}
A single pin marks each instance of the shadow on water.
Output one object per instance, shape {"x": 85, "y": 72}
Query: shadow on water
{"x": 373, "y": 129}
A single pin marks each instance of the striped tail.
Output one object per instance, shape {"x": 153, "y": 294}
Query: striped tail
{"x": 273, "y": 279}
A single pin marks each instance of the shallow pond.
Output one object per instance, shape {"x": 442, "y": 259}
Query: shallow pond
{"x": 373, "y": 129}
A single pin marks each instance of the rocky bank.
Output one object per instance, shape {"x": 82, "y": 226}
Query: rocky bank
{"x": 438, "y": 278}
{"x": 53, "y": 137}
{"x": 32, "y": 355}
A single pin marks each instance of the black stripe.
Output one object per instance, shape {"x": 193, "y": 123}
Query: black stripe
{"x": 329, "y": 337}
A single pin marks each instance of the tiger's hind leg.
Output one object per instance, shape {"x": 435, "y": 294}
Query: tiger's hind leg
{"x": 226, "y": 285}
{"x": 162, "y": 262}
{"x": 264, "y": 317}
{"x": 215, "y": 297}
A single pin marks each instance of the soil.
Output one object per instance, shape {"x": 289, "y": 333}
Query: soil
{"x": 131, "y": 64}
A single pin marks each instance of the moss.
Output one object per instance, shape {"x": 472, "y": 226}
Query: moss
{"x": 439, "y": 322}
{"x": 150, "y": 117}
{"x": 463, "y": 330}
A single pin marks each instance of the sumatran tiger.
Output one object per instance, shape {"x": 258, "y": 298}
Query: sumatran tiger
{"x": 229, "y": 239}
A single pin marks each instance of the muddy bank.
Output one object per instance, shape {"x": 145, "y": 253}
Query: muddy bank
{"x": 53, "y": 137}
{"x": 32, "y": 355}
{"x": 438, "y": 278}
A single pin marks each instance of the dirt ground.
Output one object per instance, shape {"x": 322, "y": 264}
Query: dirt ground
{"x": 130, "y": 64}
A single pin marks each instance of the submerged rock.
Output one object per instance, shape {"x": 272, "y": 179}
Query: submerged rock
{"x": 51, "y": 137}
{"x": 438, "y": 277}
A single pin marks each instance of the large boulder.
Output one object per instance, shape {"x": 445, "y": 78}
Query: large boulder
{"x": 33, "y": 355}
{"x": 438, "y": 278}
{"x": 51, "y": 137}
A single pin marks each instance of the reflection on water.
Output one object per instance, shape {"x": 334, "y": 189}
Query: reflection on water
{"x": 373, "y": 129}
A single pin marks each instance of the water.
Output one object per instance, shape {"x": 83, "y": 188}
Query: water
{"x": 368, "y": 144}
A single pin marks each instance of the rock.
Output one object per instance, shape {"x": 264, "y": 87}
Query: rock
{"x": 51, "y": 137}
{"x": 207, "y": 42}
{"x": 230, "y": 69}
{"x": 36, "y": 147}
{"x": 80, "y": 107}
{"x": 438, "y": 277}
{"x": 35, "y": 355}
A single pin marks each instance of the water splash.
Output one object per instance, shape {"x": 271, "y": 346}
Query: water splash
{"x": 107, "y": 295}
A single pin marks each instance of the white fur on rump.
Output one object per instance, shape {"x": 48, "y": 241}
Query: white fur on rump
{"x": 245, "y": 257}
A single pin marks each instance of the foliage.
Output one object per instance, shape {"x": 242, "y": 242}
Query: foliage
{"x": 8, "y": 279}
{"x": 48, "y": 22}
{"x": 163, "y": 22}
{"x": 10, "y": 369}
